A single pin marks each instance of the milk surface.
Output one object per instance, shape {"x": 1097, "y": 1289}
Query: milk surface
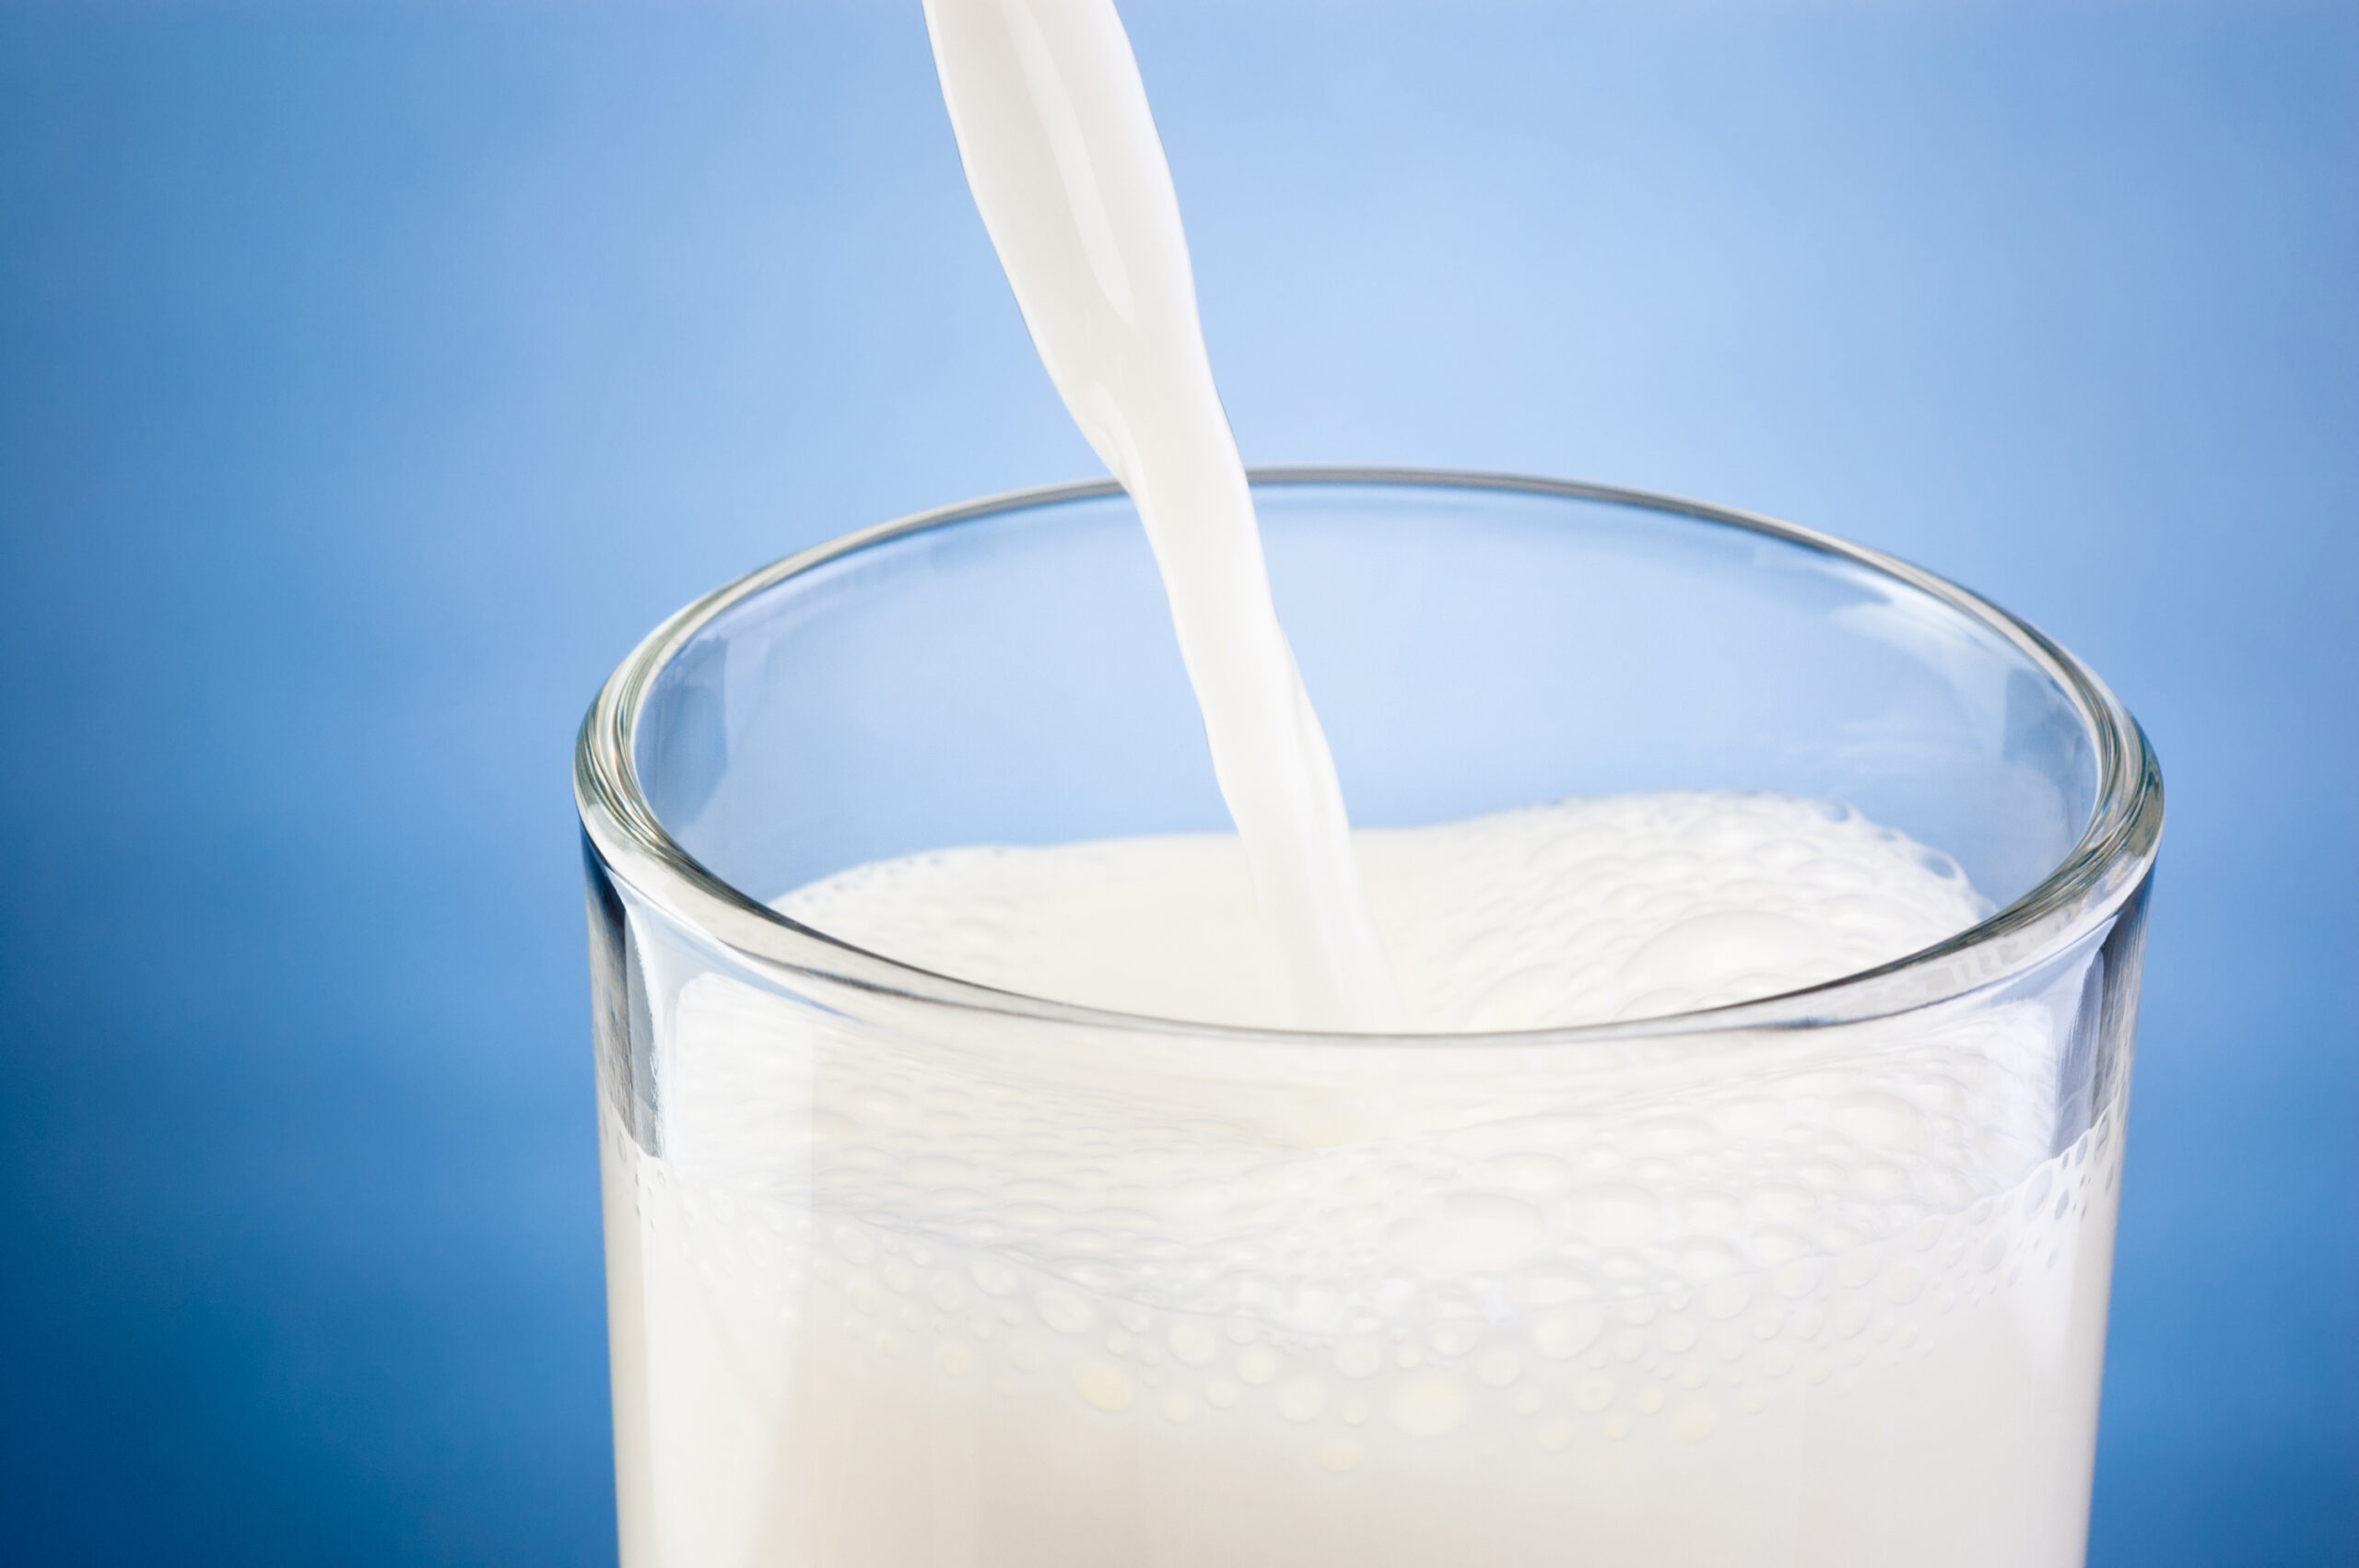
{"x": 1583, "y": 911}
{"x": 950, "y": 1288}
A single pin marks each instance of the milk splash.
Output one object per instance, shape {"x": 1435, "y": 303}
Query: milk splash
{"x": 1061, "y": 154}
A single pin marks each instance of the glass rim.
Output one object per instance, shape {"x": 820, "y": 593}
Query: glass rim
{"x": 2105, "y": 865}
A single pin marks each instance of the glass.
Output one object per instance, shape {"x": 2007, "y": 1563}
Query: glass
{"x": 903, "y": 1270}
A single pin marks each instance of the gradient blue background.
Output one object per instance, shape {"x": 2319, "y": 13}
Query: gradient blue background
{"x": 372, "y": 377}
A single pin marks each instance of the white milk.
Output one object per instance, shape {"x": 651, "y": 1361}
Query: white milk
{"x": 1065, "y": 163}
{"x": 973, "y": 1290}
{"x": 894, "y": 1284}
{"x": 1580, "y": 912}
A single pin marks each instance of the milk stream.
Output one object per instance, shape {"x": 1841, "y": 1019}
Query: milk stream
{"x": 1065, "y": 166}
{"x": 958, "y": 1287}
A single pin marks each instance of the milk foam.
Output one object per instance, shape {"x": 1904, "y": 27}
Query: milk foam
{"x": 1582, "y": 912}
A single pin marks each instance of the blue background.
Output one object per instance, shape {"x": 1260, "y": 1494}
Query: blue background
{"x": 372, "y": 377}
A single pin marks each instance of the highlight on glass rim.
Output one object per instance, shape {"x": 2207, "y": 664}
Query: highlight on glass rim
{"x": 1628, "y": 1065}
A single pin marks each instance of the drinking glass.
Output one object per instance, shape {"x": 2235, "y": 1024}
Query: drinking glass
{"x": 903, "y": 1270}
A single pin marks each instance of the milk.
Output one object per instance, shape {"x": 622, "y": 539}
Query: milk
{"x": 1579, "y": 912}
{"x": 904, "y": 1288}
{"x": 894, "y": 1283}
{"x": 1065, "y": 166}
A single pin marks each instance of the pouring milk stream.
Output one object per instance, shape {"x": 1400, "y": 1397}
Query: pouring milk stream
{"x": 1063, "y": 159}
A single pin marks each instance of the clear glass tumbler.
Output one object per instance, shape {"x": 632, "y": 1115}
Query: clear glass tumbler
{"x": 906, "y": 1271}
